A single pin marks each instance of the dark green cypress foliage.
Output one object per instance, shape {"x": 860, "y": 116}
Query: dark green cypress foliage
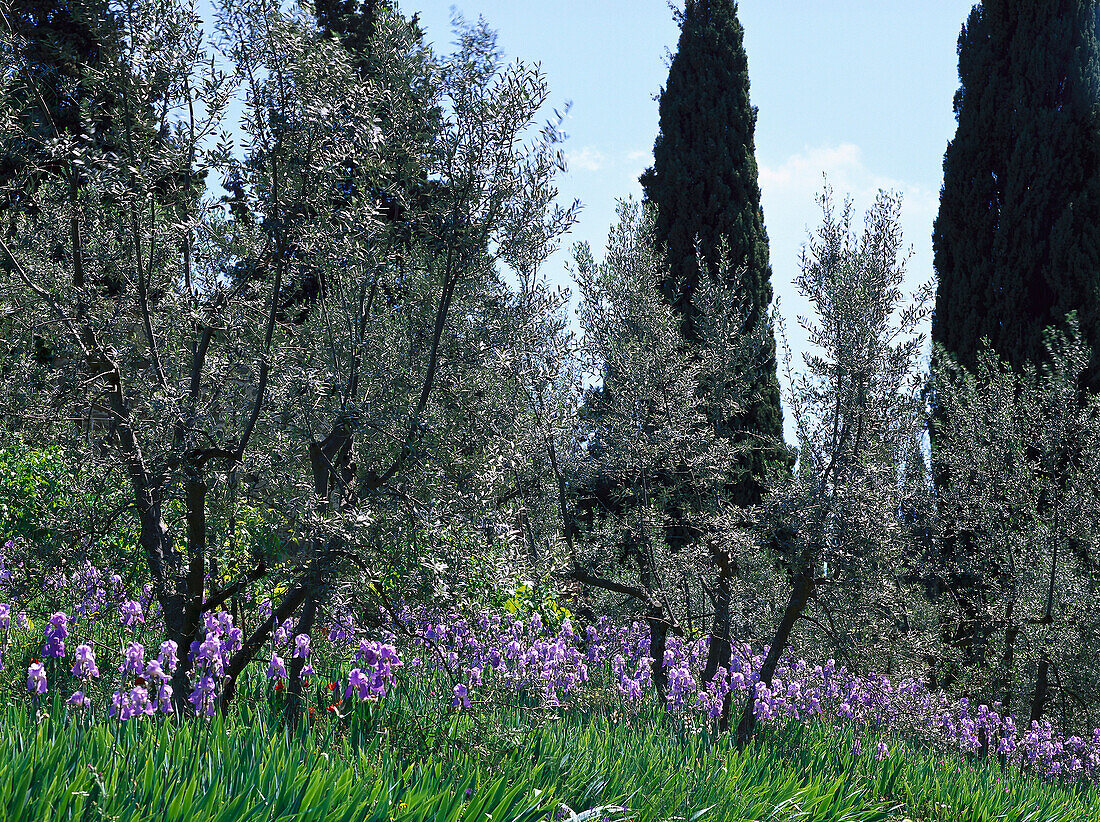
{"x": 1017, "y": 238}
{"x": 353, "y": 21}
{"x": 704, "y": 184}
{"x": 54, "y": 49}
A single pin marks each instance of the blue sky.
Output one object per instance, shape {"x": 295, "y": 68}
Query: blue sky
{"x": 861, "y": 90}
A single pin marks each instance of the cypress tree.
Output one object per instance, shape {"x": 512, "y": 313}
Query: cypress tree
{"x": 1017, "y": 238}
{"x": 704, "y": 184}
{"x": 353, "y": 21}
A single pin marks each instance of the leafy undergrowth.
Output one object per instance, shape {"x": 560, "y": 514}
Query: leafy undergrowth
{"x": 515, "y": 766}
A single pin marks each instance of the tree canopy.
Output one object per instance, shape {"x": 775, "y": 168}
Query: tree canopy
{"x": 703, "y": 183}
{"x": 1017, "y": 237}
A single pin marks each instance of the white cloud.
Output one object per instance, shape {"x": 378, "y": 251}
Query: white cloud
{"x": 588, "y": 158}
{"x": 801, "y": 176}
{"x": 798, "y": 169}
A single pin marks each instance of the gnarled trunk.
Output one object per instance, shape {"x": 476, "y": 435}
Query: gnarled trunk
{"x": 1042, "y": 688}
{"x": 1008, "y": 662}
{"x": 294, "y": 686}
{"x": 658, "y": 640}
{"x": 191, "y": 587}
{"x": 803, "y": 589}
{"x": 252, "y": 645}
{"x": 719, "y": 652}
{"x": 156, "y": 542}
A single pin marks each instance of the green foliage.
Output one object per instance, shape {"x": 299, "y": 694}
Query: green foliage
{"x": 1019, "y": 456}
{"x": 521, "y": 772}
{"x": 704, "y": 185}
{"x": 1017, "y": 245}
{"x": 57, "y": 55}
{"x": 1017, "y": 238}
{"x": 646, "y": 451}
{"x": 858, "y": 412}
{"x": 60, "y": 510}
{"x": 527, "y": 600}
{"x": 294, "y": 380}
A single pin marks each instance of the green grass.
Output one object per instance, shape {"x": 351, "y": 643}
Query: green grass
{"x": 413, "y": 758}
{"x": 406, "y": 762}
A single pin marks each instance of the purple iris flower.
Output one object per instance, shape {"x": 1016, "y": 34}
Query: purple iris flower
{"x": 55, "y": 635}
{"x": 234, "y": 639}
{"x": 164, "y": 699}
{"x": 85, "y": 662}
{"x": 357, "y": 682}
{"x": 155, "y": 674}
{"x": 276, "y": 670}
{"x": 225, "y": 621}
{"x": 129, "y": 704}
{"x": 211, "y": 654}
{"x": 367, "y": 652}
{"x": 461, "y": 696}
{"x": 168, "y": 655}
{"x": 301, "y": 646}
{"x": 202, "y": 697}
{"x": 344, "y": 629}
{"x": 36, "y": 678}
{"x": 131, "y": 613}
{"x": 133, "y": 661}
{"x": 140, "y": 704}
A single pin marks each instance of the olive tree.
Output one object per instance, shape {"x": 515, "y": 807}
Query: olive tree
{"x": 184, "y": 353}
{"x": 420, "y": 350}
{"x": 128, "y": 305}
{"x": 1020, "y": 451}
{"x": 645, "y": 431}
{"x": 835, "y": 526}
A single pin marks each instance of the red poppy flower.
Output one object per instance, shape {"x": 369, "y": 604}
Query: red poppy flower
{"x": 332, "y": 686}
{"x": 279, "y": 685}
